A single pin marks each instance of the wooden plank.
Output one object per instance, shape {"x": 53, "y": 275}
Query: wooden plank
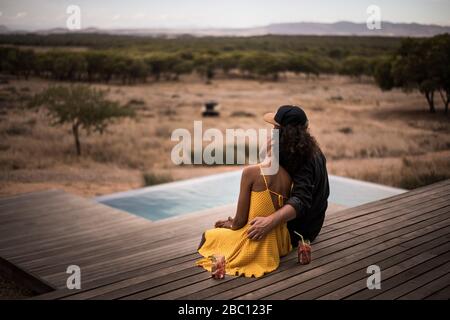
{"x": 131, "y": 246}
{"x": 57, "y": 236}
{"x": 347, "y": 216}
{"x": 334, "y": 247}
{"x": 118, "y": 253}
{"x": 401, "y": 215}
{"x": 367, "y": 225}
{"x": 314, "y": 275}
{"x": 109, "y": 236}
{"x": 384, "y": 204}
{"x": 173, "y": 294}
{"x": 340, "y": 279}
{"x": 30, "y": 206}
{"x": 392, "y": 282}
{"x": 443, "y": 294}
{"x": 373, "y": 214}
{"x": 278, "y": 280}
{"x": 154, "y": 230}
{"x": 146, "y": 246}
{"x": 319, "y": 253}
{"x": 72, "y": 209}
{"x": 92, "y": 288}
{"x": 355, "y": 287}
{"x": 102, "y": 268}
{"x": 337, "y": 278}
{"x": 45, "y": 194}
{"x": 423, "y": 285}
{"x": 418, "y": 192}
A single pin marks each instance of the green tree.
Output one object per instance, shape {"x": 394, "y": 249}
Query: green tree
{"x": 158, "y": 64}
{"x": 439, "y": 56}
{"x": 422, "y": 64}
{"x": 383, "y": 74}
{"x": 413, "y": 69}
{"x": 44, "y": 65}
{"x": 137, "y": 70}
{"x": 205, "y": 65}
{"x": 356, "y": 66}
{"x": 100, "y": 66}
{"x": 80, "y": 106}
{"x": 302, "y": 63}
{"x": 182, "y": 67}
{"x": 26, "y": 62}
{"x": 228, "y": 61}
{"x": 263, "y": 64}
{"x": 17, "y": 62}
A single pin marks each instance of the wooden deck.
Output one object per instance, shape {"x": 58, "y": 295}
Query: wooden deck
{"x": 123, "y": 256}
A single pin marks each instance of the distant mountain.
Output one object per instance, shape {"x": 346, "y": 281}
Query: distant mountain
{"x": 4, "y": 29}
{"x": 345, "y": 28}
{"x": 342, "y": 28}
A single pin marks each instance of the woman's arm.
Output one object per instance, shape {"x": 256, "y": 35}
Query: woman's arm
{"x": 243, "y": 205}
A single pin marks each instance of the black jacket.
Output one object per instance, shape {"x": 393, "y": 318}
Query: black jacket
{"x": 309, "y": 197}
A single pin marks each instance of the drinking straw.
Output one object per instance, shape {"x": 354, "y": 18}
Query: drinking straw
{"x": 300, "y": 236}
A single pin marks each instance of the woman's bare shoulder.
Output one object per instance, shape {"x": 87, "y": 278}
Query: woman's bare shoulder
{"x": 251, "y": 171}
{"x": 249, "y": 175}
{"x": 283, "y": 173}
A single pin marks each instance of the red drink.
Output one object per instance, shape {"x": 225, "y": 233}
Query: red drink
{"x": 218, "y": 266}
{"x": 304, "y": 252}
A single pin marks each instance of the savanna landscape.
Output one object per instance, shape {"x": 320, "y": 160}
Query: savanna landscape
{"x": 368, "y": 134}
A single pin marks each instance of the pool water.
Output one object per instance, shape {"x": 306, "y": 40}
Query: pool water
{"x": 186, "y": 196}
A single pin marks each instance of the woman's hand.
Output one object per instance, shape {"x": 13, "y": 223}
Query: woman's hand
{"x": 224, "y": 223}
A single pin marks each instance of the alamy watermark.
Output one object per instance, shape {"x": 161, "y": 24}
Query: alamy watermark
{"x": 373, "y": 21}
{"x": 73, "y": 21}
{"x": 373, "y": 282}
{"x": 237, "y": 146}
{"x": 74, "y": 280}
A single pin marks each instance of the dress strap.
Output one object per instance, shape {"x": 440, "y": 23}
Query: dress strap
{"x": 280, "y": 196}
{"x": 264, "y": 177}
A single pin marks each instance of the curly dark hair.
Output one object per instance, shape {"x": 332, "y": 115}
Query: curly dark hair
{"x": 296, "y": 147}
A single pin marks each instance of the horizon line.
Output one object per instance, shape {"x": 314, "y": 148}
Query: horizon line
{"x": 34, "y": 29}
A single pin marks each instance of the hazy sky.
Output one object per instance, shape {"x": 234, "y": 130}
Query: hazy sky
{"x": 39, "y": 14}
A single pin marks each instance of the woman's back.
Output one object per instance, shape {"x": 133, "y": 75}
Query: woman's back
{"x": 277, "y": 185}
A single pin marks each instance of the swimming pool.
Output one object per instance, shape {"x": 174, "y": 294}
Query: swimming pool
{"x": 186, "y": 196}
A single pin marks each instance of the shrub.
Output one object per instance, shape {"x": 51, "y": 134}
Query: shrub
{"x": 242, "y": 114}
{"x": 17, "y": 130}
{"x": 346, "y": 130}
{"x": 415, "y": 174}
{"x": 151, "y": 179}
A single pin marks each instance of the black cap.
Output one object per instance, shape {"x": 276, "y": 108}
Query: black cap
{"x": 289, "y": 114}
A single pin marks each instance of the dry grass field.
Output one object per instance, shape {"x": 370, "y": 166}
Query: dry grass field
{"x": 385, "y": 137}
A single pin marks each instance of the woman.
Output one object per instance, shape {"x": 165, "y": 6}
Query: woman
{"x": 260, "y": 196}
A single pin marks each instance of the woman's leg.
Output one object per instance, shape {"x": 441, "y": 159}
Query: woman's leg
{"x": 202, "y": 241}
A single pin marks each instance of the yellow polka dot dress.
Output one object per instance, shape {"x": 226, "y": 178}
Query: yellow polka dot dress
{"x": 244, "y": 256}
